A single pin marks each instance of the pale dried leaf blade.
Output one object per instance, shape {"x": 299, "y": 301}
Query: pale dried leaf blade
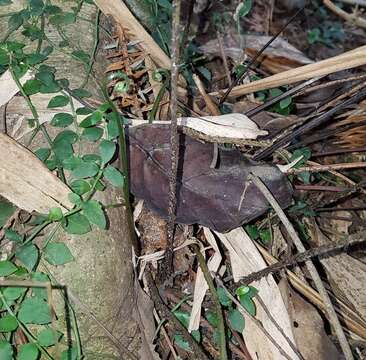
{"x": 26, "y": 182}
{"x": 145, "y": 307}
{"x": 308, "y": 327}
{"x": 245, "y": 259}
{"x": 8, "y": 87}
{"x": 200, "y": 286}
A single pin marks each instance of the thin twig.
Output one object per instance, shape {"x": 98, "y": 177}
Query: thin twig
{"x": 223, "y": 56}
{"x": 278, "y": 327}
{"x": 301, "y": 257}
{"x": 318, "y": 168}
{"x": 215, "y": 298}
{"x": 257, "y": 323}
{"x": 247, "y": 68}
{"x": 310, "y": 266}
{"x": 173, "y": 321}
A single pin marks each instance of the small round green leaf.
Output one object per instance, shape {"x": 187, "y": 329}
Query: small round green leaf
{"x": 8, "y": 323}
{"x": 113, "y": 176}
{"x": 34, "y": 311}
{"x": 84, "y": 170}
{"x": 94, "y": 212}
{"x": 28, "y": 255}
{"x": 107, "y": 149}
{"x": 58, "y": 101}
{"x": 62, "y": 120}
{"x": 55, "y": 214}
{"x": 48, "y": 337}
{"x": 92, "y": 133}
{"x": 7, "y": 268}
{"x": 76, "y": 224}
{"x": 248, "y": 304}
{"x": 28, "y": 352}
{"x": 57, "y": 253}
{"x": 6, "y": 351}
{"x": 80, "y": 187}
{"x": 236, "y": 320}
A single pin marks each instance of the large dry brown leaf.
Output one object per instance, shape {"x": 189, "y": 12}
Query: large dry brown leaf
{"x": 307, "y": 327}
{"x": 220, "y": 198}
{"x": 26, "y": 182}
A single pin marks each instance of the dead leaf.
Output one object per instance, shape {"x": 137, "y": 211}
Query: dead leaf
{"x": 307, "y": 327}
{"x": 221, "y": 199}
{"x": 245, "y": 259}
{"x": 26, "y": 182}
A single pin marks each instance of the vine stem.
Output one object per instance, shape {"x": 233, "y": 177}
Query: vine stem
{"x": 215, "y": 297}
{"x": 167, "y": 265}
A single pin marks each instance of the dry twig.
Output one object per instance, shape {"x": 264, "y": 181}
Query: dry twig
{"x": 310, "y": 266}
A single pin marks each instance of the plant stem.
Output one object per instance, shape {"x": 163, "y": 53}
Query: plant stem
{"x": 215, "y": 297}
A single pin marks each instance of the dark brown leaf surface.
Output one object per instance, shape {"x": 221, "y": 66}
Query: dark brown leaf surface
{"x": 210, "y": 197}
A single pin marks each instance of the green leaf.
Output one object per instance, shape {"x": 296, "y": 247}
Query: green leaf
{"x": 112, "y": 126}
{"x": 252, "y": 231}
{"x": 34, "y": 59}
{"x": 66, "y": 18}
{"x": 13, "y": 293}
{"x": 6, "y": 351}
{"x": 80, "y": 187}
{"x": 236, "y": 320}
{"x": 113, "y": 176}
{"x": 94, "y": 212}
{"x": 8, "y": 323}
{"x": 15, "y": 22}
{"x": 304, "y": 176}
{"x": 4, "y": 57}
{"x": 85, "y": 169}
{"x": 74, "y": 198}
{"x": 183, "y": 317}
{"x": 223, "y": 298}
{"x": 57, "y": 253}
{"x": 32, "y": 32}
{"x": 55, "y": 214}
{"x": 28, "y": 352}
{"x": 286, "y": 102}
{"x": 180, "y": 342}
{"x": 49, "y": 84}
{"x": 69, "y": 354}
{"x": 6, "y": 210}
{"x": 34, "y": 310}
{"x": 92, "y": 119}
{"x": 76, "y": 224}
{"x": 13, "y": 235}
{"x": 81, "y": 93}
{"x": 92, "y": 133}
{"x": 84, "y": 111}
{"x": 248, "y": 304}
{"x": 42, "y": 154}
{"x": 58, "y": 101}
{"x": 62, "y": 150}
{"x": 265, "y": 235}
{"x": 304, "y": 152}
{"x": 28, "y": 255}
{"x": 52, "y": 10}
{"x": 32, "y": 86}
{"x": 7, "y": 268}
{"x": 243, "y": 9}
{"x": 67, "y": 135}
{"x": 40, "y": 293}
{"x": 62, "y": 120}
{"x": 36, "y": 7}
{"x": 81, "y": 56}
{"x": 48, "y": 337}
{"x": 107, "y": 149}
{"x": 212, "y": 318}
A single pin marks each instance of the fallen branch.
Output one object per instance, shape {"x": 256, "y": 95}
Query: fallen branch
{"x": 310, "y": 266}
{"x": 348, "y": 60}
{"x": 319, "y": 168}
{"x": 352, "y": 18}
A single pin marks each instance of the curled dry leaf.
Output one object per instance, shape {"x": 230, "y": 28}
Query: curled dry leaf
{"x": 220, "y": 198}
{"x": 279, "y": 56}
